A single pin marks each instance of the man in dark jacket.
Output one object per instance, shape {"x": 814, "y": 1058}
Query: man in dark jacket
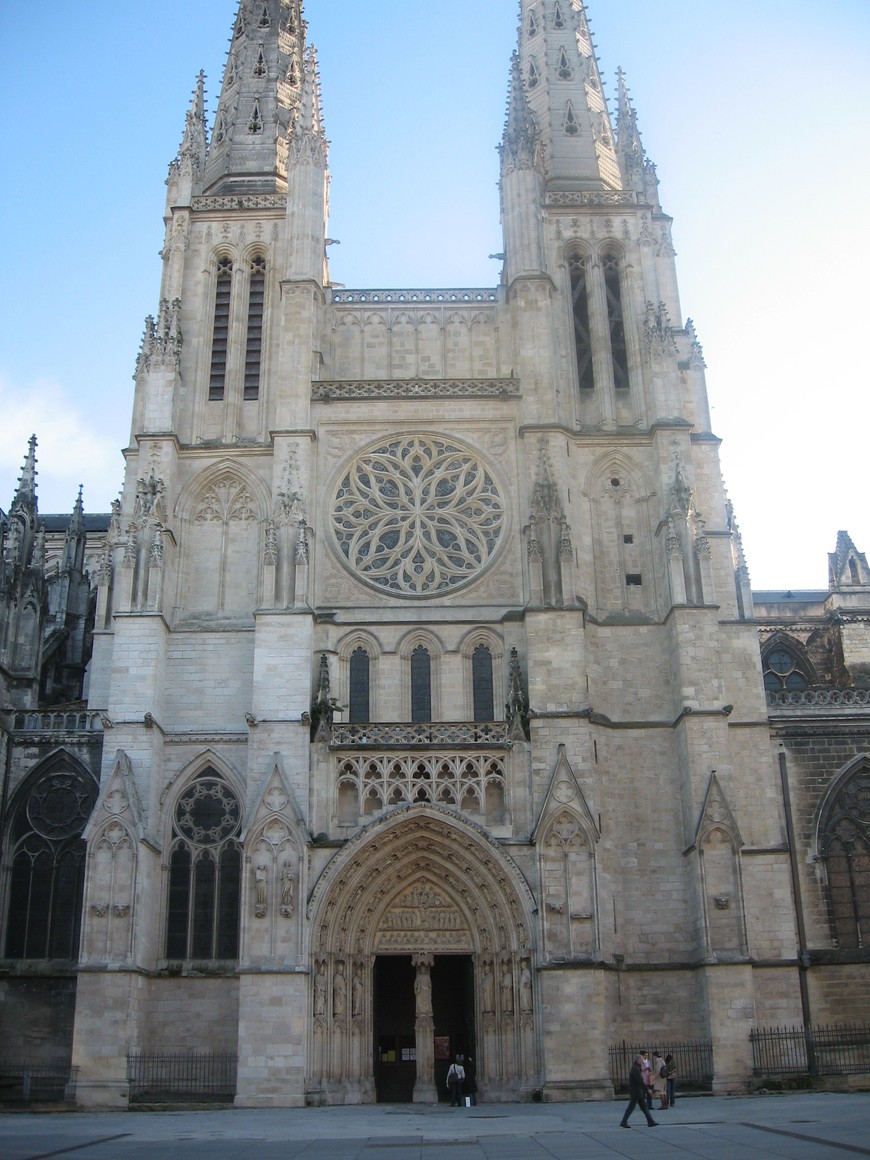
{"x": 637, "y": 1091}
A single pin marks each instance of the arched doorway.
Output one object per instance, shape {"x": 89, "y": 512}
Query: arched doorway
{"x": 426, "y": 887}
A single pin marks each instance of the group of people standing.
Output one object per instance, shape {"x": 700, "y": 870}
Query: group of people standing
{"x": 648, "y": 1081}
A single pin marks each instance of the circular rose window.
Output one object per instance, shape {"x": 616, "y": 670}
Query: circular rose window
{"x": 417, "y": 515}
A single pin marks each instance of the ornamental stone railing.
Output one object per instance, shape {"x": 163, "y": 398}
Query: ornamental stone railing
{"x": 400, "y": 735}
{"x": 848, "y": 700}
{"x": 592, "y": 197}
{"x": 57, "y": 722}
{"x": 412, "y": 297}
{"x": 322, "y": 391}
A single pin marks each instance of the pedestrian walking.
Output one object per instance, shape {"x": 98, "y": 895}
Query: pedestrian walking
{"x": 638, "y": 1093}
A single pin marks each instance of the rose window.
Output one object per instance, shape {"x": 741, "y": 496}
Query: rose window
{"x": 417, "y": 516}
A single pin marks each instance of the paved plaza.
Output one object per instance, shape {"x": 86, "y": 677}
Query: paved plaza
{"x": 801, "y": 1127}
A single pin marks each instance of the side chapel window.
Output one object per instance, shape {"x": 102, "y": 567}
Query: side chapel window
{"x": 783, "y": 671}
{"x": 205, "y": 872}
{"x": 46, "y": 880}
{"x": 845, "y": 842}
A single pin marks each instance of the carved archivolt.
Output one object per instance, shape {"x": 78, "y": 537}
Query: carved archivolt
{"x": 421, "y": 879}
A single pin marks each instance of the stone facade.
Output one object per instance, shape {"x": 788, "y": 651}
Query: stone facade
{"x": 414, "y": 692}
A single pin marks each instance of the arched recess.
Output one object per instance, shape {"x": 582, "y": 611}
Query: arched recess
{"x": 843, "y": 842}
{"x": 221, "y": 512}
{"x": 421, "y": 881}
{"x": 718, "y": 842}
{"x": 619, "y": 498}
{"x": 411, "y": 649}
{"x": 474, "y": 648}
{"x": 363, "y": 644}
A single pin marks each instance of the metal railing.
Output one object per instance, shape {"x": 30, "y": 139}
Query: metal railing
{"x": 182, "y": 1077}
{"x": 29, "y": 1083}
{"x": 693, "y": 1061}
{"x": 841, "y": 1049}
{"x": 391, "y": 734}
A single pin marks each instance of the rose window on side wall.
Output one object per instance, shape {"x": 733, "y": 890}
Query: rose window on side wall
{"x": 417, "y": 516}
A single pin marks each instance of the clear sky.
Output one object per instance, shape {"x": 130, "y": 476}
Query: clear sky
{"x": 755, "y": 111}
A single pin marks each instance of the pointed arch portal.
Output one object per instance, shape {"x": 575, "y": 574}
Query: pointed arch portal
{"x": 424, "y": 886}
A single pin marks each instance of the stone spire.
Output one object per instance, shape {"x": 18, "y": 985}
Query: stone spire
{"x": 186, "y": 170}
{"x": 24, "y": 502}
{"x": 563, "y": 83}
{"x": 638, "y": 172}
{"x": 307, "y": 181}
{"x": 259, "y": 99}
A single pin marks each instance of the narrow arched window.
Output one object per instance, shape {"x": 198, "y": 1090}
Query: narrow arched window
{"x": 578, "y": 268}
{"x": 47, "y": 867}
{"x": 359, "y": 711}
{"x": 421, "y": 685}
{"x": 254, "y": 342}
{"x": 482, "y": 685}
{"x": 615, "y": 321}
{"x": 221, "y": 330}
{"x": 205, "y": 866}
{"x": 845, "y": 841}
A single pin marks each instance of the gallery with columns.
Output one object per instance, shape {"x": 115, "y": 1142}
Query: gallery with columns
{"x": 413, "y": 699}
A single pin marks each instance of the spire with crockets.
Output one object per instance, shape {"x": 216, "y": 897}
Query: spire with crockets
{"x": 259, "y": 101}
{"x": 563, "y": 85}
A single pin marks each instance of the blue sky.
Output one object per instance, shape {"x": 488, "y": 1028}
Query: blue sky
{"x": 756, "y": 113}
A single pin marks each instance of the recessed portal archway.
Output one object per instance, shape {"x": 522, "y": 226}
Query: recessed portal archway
{"x": 421, "y": 883}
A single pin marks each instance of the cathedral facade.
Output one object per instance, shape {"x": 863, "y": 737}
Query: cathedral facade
{"x": 413, "y": 699}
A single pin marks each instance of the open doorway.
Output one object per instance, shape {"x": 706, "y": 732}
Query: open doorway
{"x": 395, "y": 1045}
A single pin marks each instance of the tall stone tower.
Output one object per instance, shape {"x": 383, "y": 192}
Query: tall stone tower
{"x": 433, "y": 710}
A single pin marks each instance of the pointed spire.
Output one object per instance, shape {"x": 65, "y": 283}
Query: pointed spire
{"x": 307, "y": 137}
{"x": 638, "y": 172}
{"x": 561, "y": 77}
{"x": 847, "y": 567}
{"x": 25, "y": 496}
{"x": 520, "y": 139}
{"x": 74, "y": 541}
{"x": 259, "y": 100}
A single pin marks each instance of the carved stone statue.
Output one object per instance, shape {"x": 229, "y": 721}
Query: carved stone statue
{"x": 320, "y": 989}
{"x": 423, "y": 991}
{"x": 288, "y": 890}
{"x": 488, "y": 987}
{"x": 339, "y": 992}
{"x": 357, "y": 993}
{"x": 261, "y": 890}
{"x": 507, "y": 989}
{"x": 525, "y": 988}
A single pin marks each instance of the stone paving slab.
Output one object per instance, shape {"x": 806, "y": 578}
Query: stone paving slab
{"x": 821, "y": 1126}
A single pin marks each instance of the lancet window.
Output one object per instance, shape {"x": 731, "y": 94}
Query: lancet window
{"x": 482, "y": 684}
{"x": 46, "y": 878}
{"x": 578, "y": 270}
{"x": 359, "y": 709}
{"x": 254, "y": 343}
{"x": 220, "y": 330}
{"x": 615, "y": 320}
{"x": 845, "y": 843}
{"x": 205, "y": 863}
{"x": 421, "y": 685}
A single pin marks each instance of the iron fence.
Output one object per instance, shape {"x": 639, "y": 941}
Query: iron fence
{"x": 182, "y": 1077}
{"x": 37, "y": 1083}
{"x": 797, "y": 1051}
{"x": 693, "y": 1062}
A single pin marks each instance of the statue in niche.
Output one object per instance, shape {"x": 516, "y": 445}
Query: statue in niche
{"x": 525, "y": 988}
{"x": 357, "y": 991}
{"x": 339, "y": 992}
{"x": 507, "y": 989}
{"x": 261, "y": 890}
{"x": 488, "y": 987}
{"x": 320, "y": 989}
{"x": 423, "y": 991}
{"x": 288, "y": 890}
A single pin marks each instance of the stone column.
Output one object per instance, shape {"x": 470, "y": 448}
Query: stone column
{"x": 424, "y": 1030}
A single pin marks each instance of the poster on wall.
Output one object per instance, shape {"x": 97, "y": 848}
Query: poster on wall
{"x": 442, "y": 1046}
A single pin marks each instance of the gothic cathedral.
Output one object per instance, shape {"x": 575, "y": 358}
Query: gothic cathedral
{"x": 413, "y": 699}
